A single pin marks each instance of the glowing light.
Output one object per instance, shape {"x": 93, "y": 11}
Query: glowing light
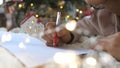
{"x": 33, "y": 21}
{"x": 92, "y": 8}
{"x": 6, "y": 37}
{"x": 1, "y": 2}
{"x": 77, "y": 18}
{"x": 37, "y": 15}
{"x": 30, "y": 27}
{"x": 71, "y": 25}
{"x": 77, "y": 10}
{"x": 21, "y": 45}
{"x": 91, "y": 61}
{"x": 68, "y": 16}
{"x": 61, "y": 7}
{"x": 31, "y": 4}
{"x": 80, "y": 11}
{"x": 64, "y": 58}
{"x": 20, "y": 5}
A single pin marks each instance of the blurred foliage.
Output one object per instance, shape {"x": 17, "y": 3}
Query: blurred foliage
{"x": 47, "y": 8}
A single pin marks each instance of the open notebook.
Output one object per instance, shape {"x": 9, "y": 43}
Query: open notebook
{"x": 30, "y": 51}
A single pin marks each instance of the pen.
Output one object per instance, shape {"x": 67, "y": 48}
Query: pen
{"x": 55, "y": 39}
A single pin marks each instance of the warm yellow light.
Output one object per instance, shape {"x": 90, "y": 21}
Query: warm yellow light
{"x": 71, "y": 25}
{"x": 68, "y": 16}
{"x": 33, "y": 21}
{"x": 80, "y": 11}
{"x": 77, "y": 18}
{"x": 91, "y": 61}
{"x": 61, "y": 7}
{"x": 77, "y": 10}
{"x": 20, "y": 5}
{"x": 37, "y": 15}
{"x": 65, "y": 58}
{"x": 31, "y": 4}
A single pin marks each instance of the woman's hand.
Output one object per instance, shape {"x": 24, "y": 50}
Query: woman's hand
{"x": 111, "y": 44}
{"x": 49, "y": 31}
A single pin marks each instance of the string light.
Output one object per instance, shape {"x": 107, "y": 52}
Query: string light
{"x": 80, "y": 11}
{"x": 36, "y": 15}
{"x": 77, "y": 18}
{"x": 61, "y": 7}
{"x": 68, "y": 16}
{"x": 77, "y": 10}
{"x": 31, "y": 4}
{"x": 33, "y": 21}
{"x": 20, "y": 5}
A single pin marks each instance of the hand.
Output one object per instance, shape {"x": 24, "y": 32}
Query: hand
{"x": 111, "y": 44}
{"x": 63, "y": 35}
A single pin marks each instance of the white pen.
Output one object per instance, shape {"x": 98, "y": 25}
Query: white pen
{"x": 55, "y": 39}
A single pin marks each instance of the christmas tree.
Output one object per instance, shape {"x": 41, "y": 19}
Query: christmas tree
{"x": 46, "y": 9}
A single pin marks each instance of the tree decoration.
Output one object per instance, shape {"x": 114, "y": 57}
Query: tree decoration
{"x": 46, "y": 9}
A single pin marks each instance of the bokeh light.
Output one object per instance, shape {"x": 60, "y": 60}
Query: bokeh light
{"x": 21, "y": 45}
{"x": 6, "y": 38}
{"x": 91, "y": 61}
{"x": 71, "y": 25}
{"x": 1, "y": 2}
{"x": 27, "y": 40}
{"x": 64, "y": 58}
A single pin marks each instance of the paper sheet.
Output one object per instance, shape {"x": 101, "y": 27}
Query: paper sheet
{"x": 34, "y": 52}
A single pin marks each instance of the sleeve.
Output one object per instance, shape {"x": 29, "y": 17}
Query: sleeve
{"x": 83, "y": 28}
{"x": 99, "y": 23}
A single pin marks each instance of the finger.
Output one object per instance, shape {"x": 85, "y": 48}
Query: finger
{"x": 45, "y": 37}
{"x": 49, "y": 43}
{"x": 64, "y": 35}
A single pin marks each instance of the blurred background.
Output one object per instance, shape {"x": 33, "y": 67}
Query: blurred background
{"x": 14, "y": 11}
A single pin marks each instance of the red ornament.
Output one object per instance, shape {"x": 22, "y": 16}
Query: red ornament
{"x": 87, "y": 12}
